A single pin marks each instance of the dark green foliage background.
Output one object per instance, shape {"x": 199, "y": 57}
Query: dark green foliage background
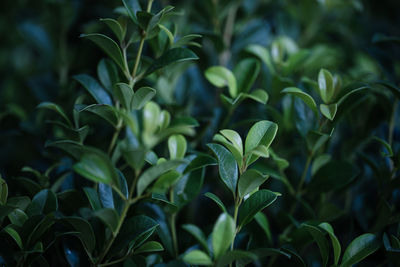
{"x": 40, "y": 51}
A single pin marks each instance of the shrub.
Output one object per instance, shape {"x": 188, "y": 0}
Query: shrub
{"x": 238, "y": 145}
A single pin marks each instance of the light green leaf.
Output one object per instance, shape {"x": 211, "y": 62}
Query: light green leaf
{"x": 151, "y": 118}
{"x": 360, "y": 248}
{"x": 109, "y": 47}
{"x": 228, "y": 169}
{"x": 142, "y": 96}
{"x": 329, "y": 111}
{"x": 255, "y": 203}
{"x": 303, "y": 96}
{"x": 96, "y": 167}
{"x": 220, "y": 76}
{"x": 237, "y": 154}
{"x": 14, "y": 235}
{"x": 18, "y": 217}
{"x": 223, "y": 234}
{"x": 258, "y": 95}
{"x": 154, "y": 172}
{"x": 186, "y": 40}
{"x": 234, "y": 138}
{"x": 177, "y": 146}
{"x": 165, "y": 181}
{"x": 326, "y": 85}
{"x": 151, "y": 246}
{"x": 335, "y": 242}
{"x": 197, "y": 257}
{"x": 249, "y": 181}
{"x": 263, "y": 54}
{"x": 261, "y": 133}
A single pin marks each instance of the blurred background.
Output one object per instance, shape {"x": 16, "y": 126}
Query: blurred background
{"x": 40, "y": 50}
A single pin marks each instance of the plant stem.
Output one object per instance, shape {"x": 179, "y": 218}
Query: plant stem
{"x": 115, "y": 137}
{"x": 392, "y": 122}
{"x": 139, "y": 53}
{"x": 303, "y": 176}
{"x": 227, "y": 35}
{"x": 172, "y": 223}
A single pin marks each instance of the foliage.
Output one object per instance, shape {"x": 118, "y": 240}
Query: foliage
{"x": 215, "y": 133}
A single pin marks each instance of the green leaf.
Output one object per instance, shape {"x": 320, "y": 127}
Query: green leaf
{"x": 262, "y": 53}
{"x": 223, "y": 234}
{"x": 18, "y": 217}
{"x": 151, "y": 118}
{"x": 166, "y": 181}
{"x": 331, "y": 176}
{"x": 197, "y": 257}
{"x": 389, "y": 152}
{"x": 3, "y": 191}
{"x": 132, "y": 6}
{"x": 200, "y": 161}
{"x": 246, "y": 73}
{"x": 217, "y": 200}
{"x": 228, "y": 169}
{"x": 360, "y": 248}
{"x": 220, "y": 77}
{"x": 83, "y": 230}
{"x": 44, "y": 202}
{"x": 258, "y": 95}
{"x": 154, "y": 172}
{"x": 198, "y": 234}
{"x": 94, "y": 88}
{"x": 14, "y": 235}
{"x": 124, "y": 94}
{"x": 108, "y": 45}
{"x": 343, "y": 98}
{"x": 249, "y": 181}
{"x": 106, "y": 112}
{"x": 107, "y": 73}
{"x": 173, "y": 55}
{"x": 237, "y": 153}
{"x": 329, "y": 111}
{"x": 177, "y": 146}
{"x": 326, "y": 85}
{"x": 308, "y": 100}
{"x": 255, "y": 203}
{"x": 109, "y": 217}
{"x": 151, "y": 246}
{"x": 236, "y": 255}
{"x": 115, "y": 27}
{"x": 322, "y": 243}
{"x": 262, "y": 221}
{"x": 93, "y": 198}
{"x": 56, "y": 108}
{"x": 186, "y": 40}
{"x": 261, "y": 133}
{"x": 234, "y": 138}
{"x": 142, "y": 96}
{"x": 134, "y": 232}
{"x": 335, "y": 242}
{"x": 96, "y": 167}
